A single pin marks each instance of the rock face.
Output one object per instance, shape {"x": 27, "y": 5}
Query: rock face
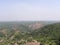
{"x": 15, "y": 44}
{"x": 35, "y": 26}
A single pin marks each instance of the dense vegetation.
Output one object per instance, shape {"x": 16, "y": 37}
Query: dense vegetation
{"x": 20, "y": 33}
{"x": 48, "y": 34}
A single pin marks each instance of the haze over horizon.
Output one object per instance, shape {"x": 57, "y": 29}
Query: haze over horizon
{"x": 29, "y": 10}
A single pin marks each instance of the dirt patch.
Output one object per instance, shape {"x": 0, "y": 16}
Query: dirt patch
{"x": 32, "y": 43}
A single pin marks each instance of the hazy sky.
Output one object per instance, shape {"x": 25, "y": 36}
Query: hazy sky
{"x": 17, "y": 10}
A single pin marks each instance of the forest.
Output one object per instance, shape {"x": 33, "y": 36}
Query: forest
{"x": 20, "y": 33}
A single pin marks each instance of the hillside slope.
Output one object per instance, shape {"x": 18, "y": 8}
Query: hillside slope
{"x": 49, "y": 33}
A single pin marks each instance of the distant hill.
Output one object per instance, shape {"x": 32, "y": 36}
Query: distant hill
{"x": 24, "y": 25}
{"x": 28, "y": 26}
